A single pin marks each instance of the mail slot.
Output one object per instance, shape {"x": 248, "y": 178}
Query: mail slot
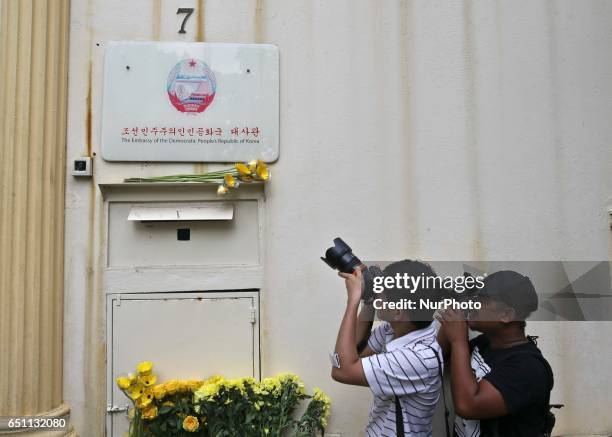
{"x": 152, "y": 234}
{"x": 181, "y": 212}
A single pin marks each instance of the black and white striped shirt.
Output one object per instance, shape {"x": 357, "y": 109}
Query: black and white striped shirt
{"x": 466, "y": 427}
{"x": 405, "y": 367}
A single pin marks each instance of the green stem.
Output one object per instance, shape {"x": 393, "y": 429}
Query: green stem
{"x": 211, "y": 173}
{"x": 213, "y": 176}
{"x": 209, "y": 180}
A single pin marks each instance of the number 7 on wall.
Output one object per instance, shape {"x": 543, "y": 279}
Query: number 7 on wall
{"x": 187, "y": 11}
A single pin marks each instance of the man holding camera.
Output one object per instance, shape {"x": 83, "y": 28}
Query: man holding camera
{"x": 400, "y": 360}
{"x": 500, "y": 381}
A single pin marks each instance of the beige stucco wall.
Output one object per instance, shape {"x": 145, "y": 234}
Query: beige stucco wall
{"x": 431, "y": 129}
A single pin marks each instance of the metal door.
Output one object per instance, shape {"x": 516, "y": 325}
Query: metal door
{"x": 185, "y": 335}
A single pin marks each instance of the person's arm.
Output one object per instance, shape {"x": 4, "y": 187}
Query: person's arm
{"x": 443, "y": 342}
{"x": 364, "y": 328}
{"x": 472, "y": 399}
{"x": 350, "y": 370}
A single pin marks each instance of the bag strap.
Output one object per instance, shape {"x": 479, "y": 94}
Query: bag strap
{"x": 440, "y": 373}
{"x": 399, "y": 418}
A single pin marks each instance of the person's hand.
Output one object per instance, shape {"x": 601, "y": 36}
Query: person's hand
{"x": 354, "y": 285}
{"x": 455, "y": 325}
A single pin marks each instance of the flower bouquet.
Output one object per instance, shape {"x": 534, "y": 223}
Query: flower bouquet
{"x": 227, "y": 179}
{"x": 220, "y": 407}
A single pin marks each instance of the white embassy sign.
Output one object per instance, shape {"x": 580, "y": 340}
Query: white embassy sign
{"x": 195, "y": 102}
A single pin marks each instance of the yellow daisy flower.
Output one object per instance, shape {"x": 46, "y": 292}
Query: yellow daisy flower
{"x": 143, "y": 402}
{"x": 147, "y": 380}
{"x": 145, "y": 399}
{"x": 136, "y": 392}
{"x": 144, "y": 368}
{"x": 123, "y": 382}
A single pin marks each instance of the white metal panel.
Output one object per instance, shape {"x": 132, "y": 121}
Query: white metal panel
{"x": 182, "y": 212}
{"x": 187, "y": 336}
{"x": 213, "y": 242}
{"x": 190, "y": 102}
{"x": 178, "y": 278}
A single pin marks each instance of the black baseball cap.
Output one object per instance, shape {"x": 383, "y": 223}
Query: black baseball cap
{"x": 512, "y": 288}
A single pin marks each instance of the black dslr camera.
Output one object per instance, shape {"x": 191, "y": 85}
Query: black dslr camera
{"x": 341, "y": 257}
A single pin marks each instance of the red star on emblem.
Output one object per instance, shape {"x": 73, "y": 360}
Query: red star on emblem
{"x": 192, "y": 63}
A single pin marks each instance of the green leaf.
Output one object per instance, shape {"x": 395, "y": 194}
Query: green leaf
{"x": 165, "y": 409}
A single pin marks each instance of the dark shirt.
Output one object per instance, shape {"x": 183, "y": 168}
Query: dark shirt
{"x": 524, "y": 379}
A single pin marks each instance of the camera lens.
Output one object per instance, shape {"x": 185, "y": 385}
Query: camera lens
{"x": 341, "y": 257}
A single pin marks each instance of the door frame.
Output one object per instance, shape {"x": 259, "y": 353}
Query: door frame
{"x": 114, "y": 299}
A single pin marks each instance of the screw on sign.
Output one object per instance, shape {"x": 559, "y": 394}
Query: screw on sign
{"x": 191, "y": 86}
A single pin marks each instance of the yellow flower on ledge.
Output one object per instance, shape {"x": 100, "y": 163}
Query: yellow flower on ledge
{"x": 228, "y": 178}
{"x": 229, "y": 181}
{"x": 262, "y": 171}
{"x": 243, "y": 169}
{"x": 191, "y": 424}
